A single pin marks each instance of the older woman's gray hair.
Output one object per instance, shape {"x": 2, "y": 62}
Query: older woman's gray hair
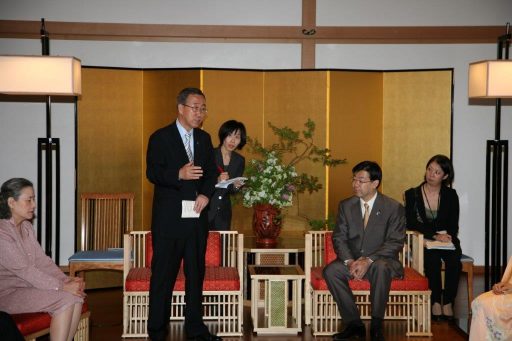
{"x": 11, "y": 189}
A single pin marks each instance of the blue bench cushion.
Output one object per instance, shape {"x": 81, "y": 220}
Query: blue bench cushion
{"x": 98, "y": 255}
{"x": 466, "y": 258}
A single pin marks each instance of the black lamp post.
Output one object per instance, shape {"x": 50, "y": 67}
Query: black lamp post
{"x": 45, "y": 76}
{"x": 493, "y": 79}
{"x": 47, "y": 146}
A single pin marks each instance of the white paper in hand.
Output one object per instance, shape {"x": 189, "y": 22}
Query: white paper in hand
{"x": 434, "y": 244}
{"x": 187, "y": 209}
{"x": 226, "y": 183}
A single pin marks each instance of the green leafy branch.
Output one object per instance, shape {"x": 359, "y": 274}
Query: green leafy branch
{"x": 322, "y": 224}
{"x": 301, "y": 146}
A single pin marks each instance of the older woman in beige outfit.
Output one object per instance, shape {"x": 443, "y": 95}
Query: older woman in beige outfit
{"x": 492, "y": 311}
{"x": 29, "y": 280}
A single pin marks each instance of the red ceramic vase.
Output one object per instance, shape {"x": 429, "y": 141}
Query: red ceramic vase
{"x": 266, "y": 224}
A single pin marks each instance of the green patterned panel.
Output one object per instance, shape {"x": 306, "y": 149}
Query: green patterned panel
{"x": 278, "y": 303}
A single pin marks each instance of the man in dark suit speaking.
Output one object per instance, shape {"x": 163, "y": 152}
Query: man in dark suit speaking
{"x": 180, "y": 164}
{"x": 369, "y": 234}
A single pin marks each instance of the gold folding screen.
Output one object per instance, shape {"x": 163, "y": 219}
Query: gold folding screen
{"x": 109, "y": 135}
{"x": 383, "y": 116}
{"x": 355, "y": 126}
{"x": 416, "y": 126}
{"x": 235, "y": 95}
{"x": 160, "y": 88}
{"x": 290, "y": 99}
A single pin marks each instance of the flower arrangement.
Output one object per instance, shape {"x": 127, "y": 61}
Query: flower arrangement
{"x": 269, "y": 182}
{"x": 273, "y": 181}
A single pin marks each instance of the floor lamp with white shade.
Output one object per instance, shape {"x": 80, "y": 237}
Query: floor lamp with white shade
{"x": 47, "y": 76}
{"x": 492, "y": 79}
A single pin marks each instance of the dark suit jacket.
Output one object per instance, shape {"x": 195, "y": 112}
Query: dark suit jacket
{"x": 219, "y": 215}
{"x": 165, "y": 156}
{"x": 447, "y": 213}
{"x": 383, "y": 237}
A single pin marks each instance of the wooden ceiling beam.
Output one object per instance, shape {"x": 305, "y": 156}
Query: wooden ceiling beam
{"x": 136, "y": 32}
{"x": 267, "y": 34}
{"x": 410, "y": 34}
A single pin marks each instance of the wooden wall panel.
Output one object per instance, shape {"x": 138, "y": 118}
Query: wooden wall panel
{"x": 355, "y": 127}
{"x": 417, "y": 125}
{"x": 109, "y": 121}
{"x": 235, "y": 95}
{"x": 160, "y": 88}
{"x": 291, "y": 97}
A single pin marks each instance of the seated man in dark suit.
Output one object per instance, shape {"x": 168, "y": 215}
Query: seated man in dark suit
{"x": 369, "y": 234}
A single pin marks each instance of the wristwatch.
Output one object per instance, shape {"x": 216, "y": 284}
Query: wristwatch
{"x": 347, "y": 261}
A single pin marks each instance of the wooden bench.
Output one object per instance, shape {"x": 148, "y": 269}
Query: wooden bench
{"x": 222, "y": 286}
{"x": 34, "y": 325}
{"x": 409, "y": 298}
{"x": 95, "y": 260}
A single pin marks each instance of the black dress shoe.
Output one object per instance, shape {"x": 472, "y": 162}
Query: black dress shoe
{"x": 351, "y": 330}
{"x": 205, "y": 337}
{"x": 160, "y": 335}
{"x": 376, "y": 334}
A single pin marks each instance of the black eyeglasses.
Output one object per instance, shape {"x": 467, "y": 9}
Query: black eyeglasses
{"x": 197, "y": 110}
{"x": 361, "y": 181}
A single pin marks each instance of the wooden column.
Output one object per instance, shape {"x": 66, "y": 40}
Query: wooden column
{"x": 308, "y": 30}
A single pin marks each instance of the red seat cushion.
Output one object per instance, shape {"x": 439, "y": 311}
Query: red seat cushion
{"x": 412, "y": 281}
{"x": 213, "y": 249}
{"x": 215, "y": 279}
{"x": 138, "y": 279}
{"x": 29, "y": 323}
{"x": 329, "y": 254}
{"x": 149, "y": 249}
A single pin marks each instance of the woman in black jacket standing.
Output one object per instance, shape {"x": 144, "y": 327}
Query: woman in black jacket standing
{"x": 432, "y": 208}
{"x": 230, "y": 165}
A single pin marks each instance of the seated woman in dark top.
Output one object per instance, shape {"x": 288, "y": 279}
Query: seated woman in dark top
{"x": 432, "y": 208}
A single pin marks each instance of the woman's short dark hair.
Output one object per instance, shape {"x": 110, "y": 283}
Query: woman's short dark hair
{"x": 446, "y": 165}
{"x": 230, "y": 127}
{"x": 371, "y": 167}
{"x": 11, "y": 189}
{"x": 183, "y": 95}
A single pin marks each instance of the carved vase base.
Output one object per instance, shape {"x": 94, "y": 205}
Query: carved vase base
{"x": 266, "y": 223}
{"x": 266, "y": 242}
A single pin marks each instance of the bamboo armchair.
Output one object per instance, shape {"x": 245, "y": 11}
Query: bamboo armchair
{"x": 409, "y": 298}
{"x": 222, "y": 286}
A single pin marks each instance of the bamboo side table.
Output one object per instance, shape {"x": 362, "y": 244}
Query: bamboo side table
{"x": 275, "y": 317}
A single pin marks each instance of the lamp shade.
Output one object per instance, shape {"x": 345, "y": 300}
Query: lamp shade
{"x": 490, "y": 79}
{"x": 40, "y": 75}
